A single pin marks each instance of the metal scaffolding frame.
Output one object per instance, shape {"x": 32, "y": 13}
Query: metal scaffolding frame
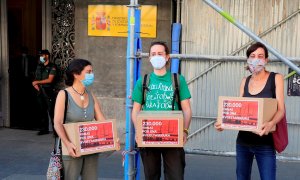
{"x": 190, "y": 57}
{"x": 252, "y": 35}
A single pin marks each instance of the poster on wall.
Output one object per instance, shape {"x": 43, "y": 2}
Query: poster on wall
{"x": 111, "y": 20}
{"x": 293, "y": 84}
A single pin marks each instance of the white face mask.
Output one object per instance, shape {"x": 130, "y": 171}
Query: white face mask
{"x": 158, "y": 62}
{"x": 42, "y": 59}
{"x": 256, "y": 65}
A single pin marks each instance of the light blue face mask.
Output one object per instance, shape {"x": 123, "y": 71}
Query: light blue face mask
{"x": 158, "y": 62}
{"x": 42, "y": 59}
{"x": 88, "y": 79}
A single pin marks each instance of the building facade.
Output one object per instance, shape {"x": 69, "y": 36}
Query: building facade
{"x": 62, "y": 27}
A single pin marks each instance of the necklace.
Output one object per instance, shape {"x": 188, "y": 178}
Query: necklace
{"x": 81, "y": 94}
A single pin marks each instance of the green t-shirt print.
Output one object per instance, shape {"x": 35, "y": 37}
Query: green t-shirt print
{"x": 160, "y": 94}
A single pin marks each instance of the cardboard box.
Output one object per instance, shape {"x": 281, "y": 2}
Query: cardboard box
{"x": 159, "y": 129}
{"x": 91, "y": 137}
{"x": 246, "y": 114}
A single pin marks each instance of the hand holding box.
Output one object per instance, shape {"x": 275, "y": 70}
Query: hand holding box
{"x": 92, "y": 137}
{"x": 159, "y": 129}
{"x": 246, "y": 114}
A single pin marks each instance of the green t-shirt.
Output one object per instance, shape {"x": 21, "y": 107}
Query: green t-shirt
{"x": 160, "y": 94}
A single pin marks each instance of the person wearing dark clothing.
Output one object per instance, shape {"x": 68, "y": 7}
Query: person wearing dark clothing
{"x": 259, "y": 143}
{"x": 43, "y": 83}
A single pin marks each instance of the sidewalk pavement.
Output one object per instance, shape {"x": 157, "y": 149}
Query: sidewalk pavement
{"x": 25, "y": 156}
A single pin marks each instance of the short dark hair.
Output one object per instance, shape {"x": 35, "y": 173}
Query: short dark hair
{"x": 44, "y": 52}
{"x": 75, "y": 67}
{"x": 254, "y": 47}
{"x": 162, "y": 43}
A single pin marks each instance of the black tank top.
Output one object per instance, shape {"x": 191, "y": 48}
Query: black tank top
{"x": 249, "y": 138}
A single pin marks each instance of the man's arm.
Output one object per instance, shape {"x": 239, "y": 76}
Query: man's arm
{"x": 135, "y": 110}
{"x": 187, "y": 116}
{"x": 44, "y": 81}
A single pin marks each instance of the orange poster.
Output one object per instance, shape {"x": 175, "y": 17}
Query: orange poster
{"x": 160, "y": 132}
{"x": 112, "y": 20}
{"x": 96, "y": 136}
{"x": 240, "y": 113}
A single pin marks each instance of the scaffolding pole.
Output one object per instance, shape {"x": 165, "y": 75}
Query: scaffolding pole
{"x": 214, "y": 57}
{"x": 227, "y": 16}
{"x": 176, "y": 34}
{"x": 132, "y": 71}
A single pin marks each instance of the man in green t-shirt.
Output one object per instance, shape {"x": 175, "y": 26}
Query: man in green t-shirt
{"x": 159, "y": 97}
{"x": 43, "y": 83}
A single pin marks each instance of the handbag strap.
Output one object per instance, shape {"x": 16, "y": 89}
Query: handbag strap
{"x": 66, "y": 105}
{"x": 273, "y": 84}
{"x": 57, "y": 139}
